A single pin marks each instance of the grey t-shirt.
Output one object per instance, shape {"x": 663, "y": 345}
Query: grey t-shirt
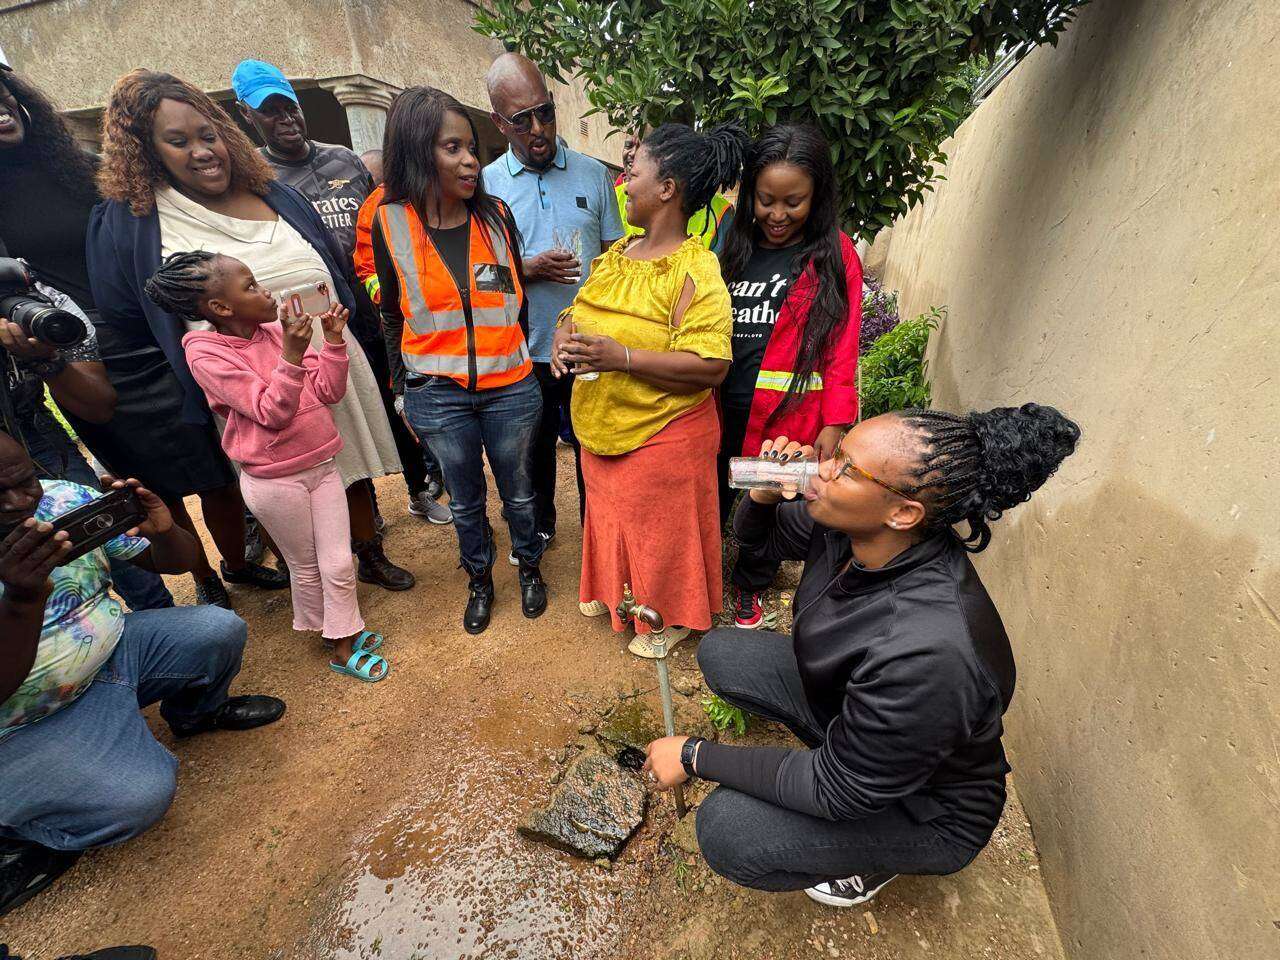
{"x": 335, "y": 181}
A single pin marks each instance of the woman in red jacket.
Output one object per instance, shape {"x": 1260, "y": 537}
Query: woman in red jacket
{"x": 796, "y": 284}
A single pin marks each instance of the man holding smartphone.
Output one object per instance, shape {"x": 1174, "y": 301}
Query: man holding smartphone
{"x": 82, "y": 768}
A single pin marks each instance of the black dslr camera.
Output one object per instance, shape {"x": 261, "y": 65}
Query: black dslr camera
{"x": 31, "y": 310}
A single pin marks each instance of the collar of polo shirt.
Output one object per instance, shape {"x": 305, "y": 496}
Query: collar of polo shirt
{"x": 515, "y": 167}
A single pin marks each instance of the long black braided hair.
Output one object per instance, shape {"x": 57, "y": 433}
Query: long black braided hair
{"x": 802, "y": 146}
{"x": 182, "y": 282}
{"x": 976, "y": 466}
{"x": 701, "y": 164}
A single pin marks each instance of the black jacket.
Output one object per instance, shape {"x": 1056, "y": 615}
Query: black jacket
{"x": 908, "y": 668}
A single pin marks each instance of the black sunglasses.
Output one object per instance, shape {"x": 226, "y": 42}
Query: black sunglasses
{"x": 522, "y": 122}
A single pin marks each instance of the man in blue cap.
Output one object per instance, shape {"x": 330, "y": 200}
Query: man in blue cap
{"x": 336, "y": 182}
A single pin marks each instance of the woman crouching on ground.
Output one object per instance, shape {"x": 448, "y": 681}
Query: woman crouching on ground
{"x": 898, "y": 670}
{"x": 654, "y": 321}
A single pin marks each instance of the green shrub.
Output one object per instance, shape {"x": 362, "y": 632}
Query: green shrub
{"x": 892, "y": 374}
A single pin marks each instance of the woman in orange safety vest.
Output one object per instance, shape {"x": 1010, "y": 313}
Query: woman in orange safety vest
{"x": 447, "y": 259}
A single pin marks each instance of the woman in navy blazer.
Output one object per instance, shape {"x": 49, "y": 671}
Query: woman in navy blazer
{"x": 161, "y": 133}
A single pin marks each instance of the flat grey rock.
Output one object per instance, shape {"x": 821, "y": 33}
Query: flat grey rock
{"x": 592, "y": 813}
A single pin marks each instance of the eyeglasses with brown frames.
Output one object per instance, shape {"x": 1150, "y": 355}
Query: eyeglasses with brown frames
{"x": 847, "y": 466}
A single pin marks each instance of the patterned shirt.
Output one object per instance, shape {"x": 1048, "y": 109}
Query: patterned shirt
{"x": 82, "y": 621}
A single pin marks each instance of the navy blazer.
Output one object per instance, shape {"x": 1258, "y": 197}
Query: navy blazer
{"x": 123, "y": 252}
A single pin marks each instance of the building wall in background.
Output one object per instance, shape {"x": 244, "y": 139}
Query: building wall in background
{"x": 1106, "y": 241}
{"x": 76, "y": 49}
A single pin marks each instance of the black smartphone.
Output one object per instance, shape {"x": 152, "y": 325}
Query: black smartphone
{"x": 93, "y": 524}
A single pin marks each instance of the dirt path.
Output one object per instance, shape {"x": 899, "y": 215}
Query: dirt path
{"x": 378, "y": 821}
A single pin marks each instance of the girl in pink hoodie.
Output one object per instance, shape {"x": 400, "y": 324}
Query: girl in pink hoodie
{"x": 273, "y": 389}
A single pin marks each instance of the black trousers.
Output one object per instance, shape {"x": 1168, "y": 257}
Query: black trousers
{"x": 756, "y": 844}
{"x": 555, "y": 409}
{"x": 751, "y": 574}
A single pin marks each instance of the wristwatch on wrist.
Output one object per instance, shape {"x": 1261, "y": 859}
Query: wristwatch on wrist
{"x": 687, "y": 753}
{"x": 399, "y": 404}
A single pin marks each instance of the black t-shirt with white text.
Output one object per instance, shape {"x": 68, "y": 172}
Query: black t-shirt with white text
{"x": 334, "y": 180}
{"x": 757, "y": 300}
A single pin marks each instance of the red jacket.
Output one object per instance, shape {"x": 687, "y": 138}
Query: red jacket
{"x": 832, "y": 396}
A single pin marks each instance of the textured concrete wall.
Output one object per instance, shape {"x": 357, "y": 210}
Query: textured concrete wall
{"x": 1106, "y": 241}
{"x": 75, "y": 49}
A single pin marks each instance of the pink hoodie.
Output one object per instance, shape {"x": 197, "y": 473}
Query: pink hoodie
{"x": 277, "y": 421}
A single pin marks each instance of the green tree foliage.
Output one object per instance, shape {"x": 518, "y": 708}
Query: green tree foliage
{"x": 885, "y": 80}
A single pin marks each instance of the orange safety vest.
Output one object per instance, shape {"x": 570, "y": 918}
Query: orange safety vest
{"x": 366, "y": 272}
{"x": 437, "y": 340}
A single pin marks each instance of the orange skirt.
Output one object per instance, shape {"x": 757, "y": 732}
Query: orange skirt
{"x": 653, "y": 521}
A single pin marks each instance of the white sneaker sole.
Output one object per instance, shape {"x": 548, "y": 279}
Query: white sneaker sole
{"x": 813, "y": 893}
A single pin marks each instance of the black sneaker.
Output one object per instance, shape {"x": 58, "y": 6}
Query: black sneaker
{"x": 849, "y": 893}
{"x": 211, "y": 590}
{"x": 28, "y": 868}
{"x": 115, "y": 953}
{"x": 254, "y": 548}
{"x": 255, "y": 574}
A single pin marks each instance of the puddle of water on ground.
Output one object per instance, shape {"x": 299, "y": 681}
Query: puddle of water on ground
{"x": 445, "y": 877}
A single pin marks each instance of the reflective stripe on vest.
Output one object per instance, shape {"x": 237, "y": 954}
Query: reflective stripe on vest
{"x": 781, "y": 379}
{"x": 373, "y": 288}
{"x": 435, "y": 340}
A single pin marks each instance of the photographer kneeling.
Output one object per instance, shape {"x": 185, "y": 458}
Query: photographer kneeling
{"x": 898, "y": 670}
{"x": 81, "y": 767}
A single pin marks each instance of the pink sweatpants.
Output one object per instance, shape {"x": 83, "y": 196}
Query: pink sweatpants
{"x": 306, "y": 515}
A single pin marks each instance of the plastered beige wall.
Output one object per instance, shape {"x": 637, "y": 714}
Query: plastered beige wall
{"x": 75, "y": 49}
{"x": 1106, "y": 241}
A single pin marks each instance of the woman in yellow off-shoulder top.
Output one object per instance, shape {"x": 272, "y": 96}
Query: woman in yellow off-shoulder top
{"x": 654, "y": 322}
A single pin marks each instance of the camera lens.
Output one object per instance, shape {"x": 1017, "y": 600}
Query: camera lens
{"x": 43, "y": 322}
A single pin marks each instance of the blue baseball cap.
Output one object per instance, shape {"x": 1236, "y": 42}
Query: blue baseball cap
{"x": 254, "y": 81}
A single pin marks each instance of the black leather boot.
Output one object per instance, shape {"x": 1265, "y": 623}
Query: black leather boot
{"x": 533, "y": 592}
{"x": 475, "y": 619}
{"x": 374, "y": 567}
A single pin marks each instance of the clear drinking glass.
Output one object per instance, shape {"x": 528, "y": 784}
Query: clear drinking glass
{"x": 764, "y": 473}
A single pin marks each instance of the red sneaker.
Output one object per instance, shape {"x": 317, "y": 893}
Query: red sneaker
{"x": 748, "y": 611}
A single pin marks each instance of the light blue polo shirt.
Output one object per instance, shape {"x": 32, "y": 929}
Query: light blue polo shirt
{"x": 574, "y": 193}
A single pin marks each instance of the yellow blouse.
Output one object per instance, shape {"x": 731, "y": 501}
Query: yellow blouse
{"x": 632, "y": 302}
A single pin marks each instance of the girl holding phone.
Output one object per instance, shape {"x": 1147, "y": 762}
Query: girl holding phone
{"x": 274, "y": 391}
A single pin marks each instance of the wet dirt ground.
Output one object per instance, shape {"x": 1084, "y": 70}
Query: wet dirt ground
{"x": 378, "y": 821}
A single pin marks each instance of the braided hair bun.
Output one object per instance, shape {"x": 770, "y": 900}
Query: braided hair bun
{"x": 701, "y": 164}
{"x": 973, "y": 468}
{"x": 1022, "y": 447}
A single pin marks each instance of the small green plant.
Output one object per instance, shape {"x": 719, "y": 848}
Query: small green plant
{"x": 725, "y": 715}
{"x": 681, "y": 872}
{"x": 893, "y": 375}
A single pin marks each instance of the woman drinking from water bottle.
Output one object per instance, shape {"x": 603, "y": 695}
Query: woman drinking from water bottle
{"x": 659, "y": 321}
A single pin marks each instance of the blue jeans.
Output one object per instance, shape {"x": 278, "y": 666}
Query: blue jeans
{"x": 57, "y": 455}
{"x": 462, "y": 427}
{"x": 92, "y": 774}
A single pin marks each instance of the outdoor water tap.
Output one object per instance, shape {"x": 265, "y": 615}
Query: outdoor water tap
{"x": 629, "y": 609}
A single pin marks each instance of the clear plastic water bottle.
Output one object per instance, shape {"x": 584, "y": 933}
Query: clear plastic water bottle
{"x": 765, "y": 473}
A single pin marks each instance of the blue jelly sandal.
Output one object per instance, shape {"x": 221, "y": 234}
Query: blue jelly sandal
{"x": 365, "y": 671}
{"x": 360, "y": 644}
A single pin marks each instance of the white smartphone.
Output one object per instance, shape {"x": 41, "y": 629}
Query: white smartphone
{"x": 312, "y": 298}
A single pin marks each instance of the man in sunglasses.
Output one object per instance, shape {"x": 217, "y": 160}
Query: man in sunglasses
{"x": 564, "y": 206}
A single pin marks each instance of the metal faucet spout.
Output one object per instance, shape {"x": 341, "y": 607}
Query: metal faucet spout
{"x": 628, "y": 609}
